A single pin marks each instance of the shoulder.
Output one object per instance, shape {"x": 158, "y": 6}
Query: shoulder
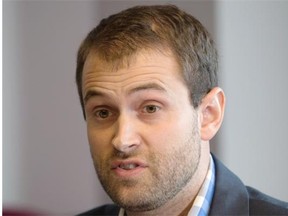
{"x": 109, "y": 209}
{"x": 260, "y": 203}
{"x": 232, "y": 197}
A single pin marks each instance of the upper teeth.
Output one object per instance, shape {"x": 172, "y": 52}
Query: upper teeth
{"x": 127, "y": 166}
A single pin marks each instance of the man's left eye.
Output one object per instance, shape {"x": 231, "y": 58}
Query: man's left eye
{"x": 151, "y": 108}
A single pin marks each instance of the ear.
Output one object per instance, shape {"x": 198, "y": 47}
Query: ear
{"x": 211, "y": 113}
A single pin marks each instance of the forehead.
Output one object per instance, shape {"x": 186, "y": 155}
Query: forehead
{"x": 145, "y": 66}
{"x": 143, "y": 58}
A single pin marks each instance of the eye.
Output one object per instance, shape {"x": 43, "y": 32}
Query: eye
{"x": 151, "y": 109}
{"x": 103, "y": 113}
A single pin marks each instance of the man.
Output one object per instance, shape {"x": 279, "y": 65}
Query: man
{"x": 147, "y": 81}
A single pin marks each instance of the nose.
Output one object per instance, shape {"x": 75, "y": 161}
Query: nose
{"x": 126, "y": 138}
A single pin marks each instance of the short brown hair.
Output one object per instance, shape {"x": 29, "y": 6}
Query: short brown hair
{"x": 121, "y": 35}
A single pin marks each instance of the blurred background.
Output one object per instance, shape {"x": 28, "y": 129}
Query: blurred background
{"x": 46, "y": 161}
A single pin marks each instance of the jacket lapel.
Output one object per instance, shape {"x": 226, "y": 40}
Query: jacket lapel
{"x": 230, "y": 194}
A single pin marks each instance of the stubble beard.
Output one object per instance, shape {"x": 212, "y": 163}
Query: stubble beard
{"x": 168, "y": 175}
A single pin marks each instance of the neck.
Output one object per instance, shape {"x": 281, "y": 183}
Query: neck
{"x": 181, "y": 204}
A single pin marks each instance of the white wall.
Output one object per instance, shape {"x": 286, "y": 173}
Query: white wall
{"x": 252, "y": 40}
{"x": 46, "y": 159}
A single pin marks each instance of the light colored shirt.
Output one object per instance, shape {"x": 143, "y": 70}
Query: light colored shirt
{"x": 202, "y": 202}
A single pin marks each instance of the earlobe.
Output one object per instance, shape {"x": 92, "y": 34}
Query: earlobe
{"x": 211, "y": 113}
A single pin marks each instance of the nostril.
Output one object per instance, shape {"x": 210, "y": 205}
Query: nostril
{"x": 125, "y": 147}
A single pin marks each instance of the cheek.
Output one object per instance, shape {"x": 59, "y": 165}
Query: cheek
{"x": 174, "y": 132}
{"x": 179, "y": 123}
{"x": 99, "y": 142}
{"x": 164, "y": 137}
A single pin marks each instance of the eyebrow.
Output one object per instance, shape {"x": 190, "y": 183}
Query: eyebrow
{"x": 92, "y": 93}
{"x": 147, "y": 86}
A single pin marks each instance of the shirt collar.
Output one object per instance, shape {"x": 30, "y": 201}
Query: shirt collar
{"x": 202, "y": 202}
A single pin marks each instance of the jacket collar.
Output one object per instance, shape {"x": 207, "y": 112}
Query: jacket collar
{"x": 230, "y": 194}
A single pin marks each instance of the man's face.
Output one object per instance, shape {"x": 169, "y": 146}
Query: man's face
{"x": 142, "y": 129}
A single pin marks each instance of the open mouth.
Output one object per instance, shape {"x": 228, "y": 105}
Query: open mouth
{"x": 131, "y": 168}
{"x": 128, "y": 166}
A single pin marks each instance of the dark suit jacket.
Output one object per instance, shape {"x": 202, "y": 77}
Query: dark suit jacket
{"x": 231, "y": 197}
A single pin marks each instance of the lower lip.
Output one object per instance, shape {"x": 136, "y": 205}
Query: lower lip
{"x": 129, "y": 173}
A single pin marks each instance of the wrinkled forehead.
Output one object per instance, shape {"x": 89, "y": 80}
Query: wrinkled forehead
{"x": 146, "y": 71}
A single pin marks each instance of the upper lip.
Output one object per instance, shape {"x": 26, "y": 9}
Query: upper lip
{"x": 115, "y": 164}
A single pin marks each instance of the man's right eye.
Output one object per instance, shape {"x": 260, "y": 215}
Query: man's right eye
{"x": 103, "y": 113}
